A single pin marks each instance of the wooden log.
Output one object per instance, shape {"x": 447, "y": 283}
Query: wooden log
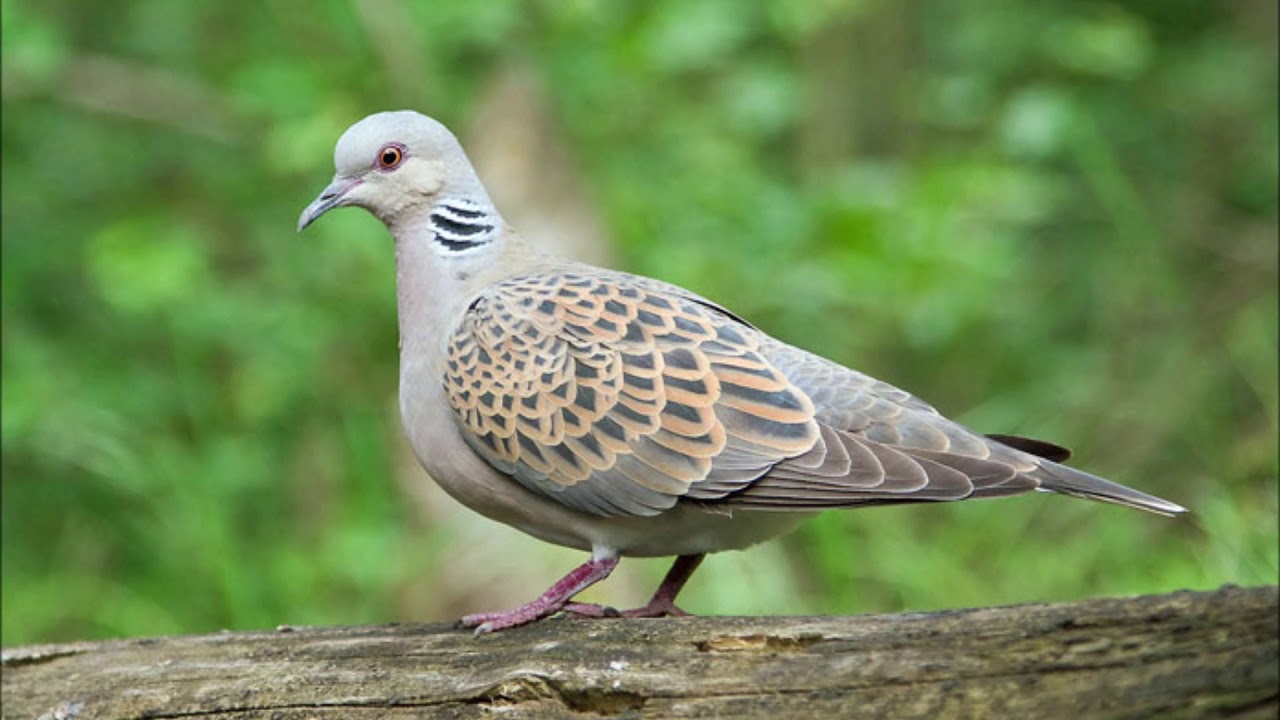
{"x": 1186, "y": 654}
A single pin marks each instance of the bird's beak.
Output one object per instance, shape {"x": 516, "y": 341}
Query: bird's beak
{"x": 332, "y": 197}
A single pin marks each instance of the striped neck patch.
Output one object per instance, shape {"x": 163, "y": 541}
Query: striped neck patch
{"x": 459, "y": 224}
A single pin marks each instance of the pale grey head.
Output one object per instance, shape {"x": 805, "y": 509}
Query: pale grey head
{"x": 405, "y": 167}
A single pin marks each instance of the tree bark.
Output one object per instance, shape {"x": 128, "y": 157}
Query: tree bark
{"x": 1187, "y": 654}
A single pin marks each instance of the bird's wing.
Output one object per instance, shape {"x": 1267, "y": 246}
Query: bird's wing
{"x": 617, "y": 395}
{"x": 878, "y": 445}
{"x": 864, "y": 420}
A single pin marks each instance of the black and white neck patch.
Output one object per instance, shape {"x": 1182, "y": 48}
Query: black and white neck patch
{"x": 460, "y": 224}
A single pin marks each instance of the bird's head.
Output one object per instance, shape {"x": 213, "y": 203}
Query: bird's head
{"x": 397, "y": 165}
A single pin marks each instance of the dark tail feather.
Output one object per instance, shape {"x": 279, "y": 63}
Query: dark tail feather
{"x": 1069, "y": 481}
{"x": 1040, "y": 448}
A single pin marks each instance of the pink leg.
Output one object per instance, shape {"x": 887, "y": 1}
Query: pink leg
{"x": 551, "y": 601}
{"x": 663, "y": 602}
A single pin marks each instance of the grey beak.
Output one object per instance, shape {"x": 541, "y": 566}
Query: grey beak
{"x": 330, "y": 198}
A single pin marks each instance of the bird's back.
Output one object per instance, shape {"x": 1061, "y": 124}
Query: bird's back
{"x": 620, "y": 394}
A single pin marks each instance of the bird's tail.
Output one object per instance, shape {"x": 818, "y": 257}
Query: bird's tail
{"x": 1069, "y": 481}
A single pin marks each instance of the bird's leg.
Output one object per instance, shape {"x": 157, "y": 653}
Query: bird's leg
{"x": 584, "y": 576}
{"x": 663, "y": 602}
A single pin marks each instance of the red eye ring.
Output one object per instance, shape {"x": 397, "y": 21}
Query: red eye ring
{"x": 390, "y": 157}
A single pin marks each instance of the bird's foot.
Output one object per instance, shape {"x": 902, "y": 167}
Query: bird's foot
{"x": 527, "y": 613}
{"x": 663, "y": 603}
{"x": 550, "y": 602}
{"x": 655, "y": 608}
{"x": 590, "y": 610}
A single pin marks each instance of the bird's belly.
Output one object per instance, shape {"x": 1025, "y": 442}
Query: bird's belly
{"x": 683, "y": 530}
{"x": 690, "y": 530}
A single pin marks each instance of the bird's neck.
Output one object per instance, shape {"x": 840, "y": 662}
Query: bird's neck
{"x": 445, "y": 257}
{"x": 461, "y": 225}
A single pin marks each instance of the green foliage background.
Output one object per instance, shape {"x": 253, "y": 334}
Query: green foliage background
{"x": 1055, "y": 219}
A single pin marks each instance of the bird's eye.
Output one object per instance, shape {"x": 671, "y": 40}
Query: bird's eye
{"x": 390, "y": 157}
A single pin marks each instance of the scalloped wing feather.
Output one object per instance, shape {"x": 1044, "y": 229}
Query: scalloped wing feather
{"x": 618, "y": 395}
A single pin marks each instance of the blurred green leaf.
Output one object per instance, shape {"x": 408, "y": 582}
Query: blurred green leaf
{"x": 1039, "y": 122}
{"x": 1108, "y": 42}
{"x": 35, "y": 49}
{"x": 147, "y": 264}
{"x": 1056, "y": 219}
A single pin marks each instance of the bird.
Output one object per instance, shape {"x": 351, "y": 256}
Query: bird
{"x": 625, "y": 416}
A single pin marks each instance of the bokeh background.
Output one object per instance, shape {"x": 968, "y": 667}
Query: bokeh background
{"x": 1056, "y": 219}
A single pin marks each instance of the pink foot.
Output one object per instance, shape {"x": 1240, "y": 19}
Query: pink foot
{"x": 652, "y": 610}
{"x": 557, "y": 597}
{"x": 663, "y": 603}
{"x": 551, "y": 601}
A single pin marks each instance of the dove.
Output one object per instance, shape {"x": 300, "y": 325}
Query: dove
{"x": 625, "y": 416}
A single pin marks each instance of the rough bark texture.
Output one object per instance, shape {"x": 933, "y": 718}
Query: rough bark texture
{"x": 1188, "y": 654}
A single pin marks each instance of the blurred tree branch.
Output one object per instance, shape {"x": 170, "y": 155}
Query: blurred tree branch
{"x": 124, "y": 88}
